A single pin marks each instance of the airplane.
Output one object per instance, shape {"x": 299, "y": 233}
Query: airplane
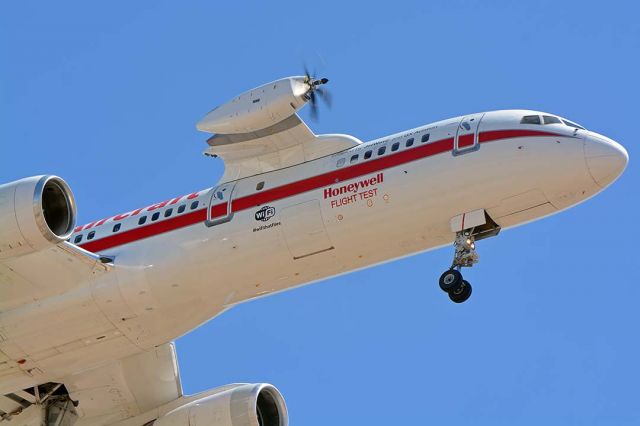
{"x": 89, "y": 313}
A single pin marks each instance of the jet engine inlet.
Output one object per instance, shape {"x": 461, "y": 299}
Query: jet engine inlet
{"x": 259, "y": 404}
{"x": 35, "y": 213}
{"x": 268, "y": 408}
{"x": 57, "y": 207}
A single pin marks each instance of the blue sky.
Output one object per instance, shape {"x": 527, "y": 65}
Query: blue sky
{"x": 107, "y": 95}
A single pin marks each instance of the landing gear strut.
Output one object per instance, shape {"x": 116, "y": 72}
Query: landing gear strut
{"x": 465, "y": 255}
{"x": 479, "y": 225}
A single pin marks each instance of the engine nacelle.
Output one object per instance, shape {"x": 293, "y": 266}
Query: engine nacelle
{"x": 258, "y": 108}
{"x": 35, "y": 213}
{"x": 239, "y": 405}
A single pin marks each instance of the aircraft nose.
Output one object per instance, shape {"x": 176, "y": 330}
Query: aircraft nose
{"x": 606, "y": 159}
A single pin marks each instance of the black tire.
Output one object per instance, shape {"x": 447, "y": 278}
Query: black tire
{"x": 461, "y": 294}
{"x": 450, "y": 279}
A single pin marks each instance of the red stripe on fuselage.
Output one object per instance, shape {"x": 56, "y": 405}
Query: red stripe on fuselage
{"x": 298, "y": 187}
{"x": 340, "y": 175}
{"x": 493, "y": 135}
{"x": 146, "y": 231}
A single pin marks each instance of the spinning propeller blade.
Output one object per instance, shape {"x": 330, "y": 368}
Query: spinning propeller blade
{"x": 314, "y": 87}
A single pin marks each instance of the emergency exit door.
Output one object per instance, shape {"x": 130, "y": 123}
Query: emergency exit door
{"x": 467, "y": 134}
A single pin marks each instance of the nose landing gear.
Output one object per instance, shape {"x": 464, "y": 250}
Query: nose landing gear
{"x": 479, "y": 225}
{"x": 451, "y": 281}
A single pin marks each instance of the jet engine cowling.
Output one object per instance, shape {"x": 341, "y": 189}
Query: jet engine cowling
{"x": 35, "y": 213}
{"x": 258, "y": 404}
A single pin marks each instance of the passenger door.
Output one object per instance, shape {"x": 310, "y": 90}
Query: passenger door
{"x": 220, "y": 204}
{"x": 467, "y": 134}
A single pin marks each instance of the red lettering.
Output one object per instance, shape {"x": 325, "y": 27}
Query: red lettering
{"x": 353, "y": 187}
{"x": 157, "y": 206}
{"x": 175, "y": 200}
{"x": 121, "y": 216}
{"x": 92, "y": 224}
{"x": 137, "y": 211}
{"x": 101, "y": 221}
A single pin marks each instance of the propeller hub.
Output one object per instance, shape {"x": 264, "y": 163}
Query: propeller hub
{"x": 314, "y": 87}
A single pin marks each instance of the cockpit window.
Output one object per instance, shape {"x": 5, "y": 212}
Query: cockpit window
{"x": 551, "y": 119}
{"x": 530, "y": 119}
{"x": 572, "y": 124}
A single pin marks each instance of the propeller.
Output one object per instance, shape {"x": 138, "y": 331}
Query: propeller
{"x": 315, "y": 89}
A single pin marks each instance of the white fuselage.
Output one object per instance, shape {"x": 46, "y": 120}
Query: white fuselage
{"x": 301, "y": 224}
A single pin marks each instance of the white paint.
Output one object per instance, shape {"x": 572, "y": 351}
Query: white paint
{"x": 164, "y": 286}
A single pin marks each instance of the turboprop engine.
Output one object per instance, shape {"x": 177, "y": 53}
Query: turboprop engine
{"x": 35, "y": 213}
{"x": 235, "y": 405}
{"x": 263, "y": 106}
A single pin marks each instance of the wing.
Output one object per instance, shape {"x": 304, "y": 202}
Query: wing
{"x": 123, "y": 389}
{"x": 284, "y": 144}
{"x": 32, "y": 277}
{"x": 126, "y": 388}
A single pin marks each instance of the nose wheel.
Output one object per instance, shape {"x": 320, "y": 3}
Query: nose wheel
{"x": 451, "y": 281}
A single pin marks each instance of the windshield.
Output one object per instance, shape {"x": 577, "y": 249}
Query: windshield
{"x": 549, "y": 119}
{"x": 530, "y": 119}
{"x": 572, "y": 124}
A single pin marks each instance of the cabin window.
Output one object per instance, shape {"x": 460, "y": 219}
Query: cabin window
{"x": 395, "y": 146}
{"x": 425, "y": 138}
{"x": 181, "y": 208}
{"x": 354, "y": 158}
{"x": 194, "y": 205}
{"x": 341, "y": 162}
{"x": 78, "y": 239}
{"x": 142, "y": 220}
{"x": 530, "y": 119}
{"x": 550, "y": 119}
{"x": 168, "y": 212}
{"x": 381, "y": 150}
{"x": 116, "y": 227}
{"x": 367, "y": 154}
{"x": 409, "y": 142}
{"x": 259, "y": 186}
{"x": 91, "y": 235}
{"x": 155, "y": 216}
